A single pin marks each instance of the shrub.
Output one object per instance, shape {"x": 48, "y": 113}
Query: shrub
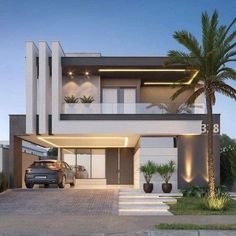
{"x": 218, "y": 203}
{"x": 71, "y": 99}
{"x": 85, "y": 99}
{"x": 3, "y": 182}
{"x": 227, "y": 160}
{"x": 197, "y": 191}
{"x": 148, "y": 170}
{"x": 166, "y": 170}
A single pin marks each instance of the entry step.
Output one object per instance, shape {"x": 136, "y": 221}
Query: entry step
{"x": 140, "y": 193}
{"x": 138, "y": 212}
{"x": 147, "y": 200}
{"x": 145, "y": 207}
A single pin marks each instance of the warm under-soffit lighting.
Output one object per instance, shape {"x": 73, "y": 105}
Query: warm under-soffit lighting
{"x": 156, "y": 70}
{"x": 174, "y": 83}
{"x": 143, "y": 70}
{"x": 46, "y": 140}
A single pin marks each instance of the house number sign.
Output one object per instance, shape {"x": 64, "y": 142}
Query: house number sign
{"x": 216, "y": 128}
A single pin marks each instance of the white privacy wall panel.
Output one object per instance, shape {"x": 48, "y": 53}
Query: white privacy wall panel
{"x": 160, "y": 151}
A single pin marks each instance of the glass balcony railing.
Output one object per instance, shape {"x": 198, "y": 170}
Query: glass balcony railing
{"x": 130, "y": 108}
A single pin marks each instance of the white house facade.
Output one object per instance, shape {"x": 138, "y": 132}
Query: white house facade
{"x": 121, "y": 117}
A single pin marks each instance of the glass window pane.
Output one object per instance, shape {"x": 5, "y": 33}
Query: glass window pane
{"x": 83, "y": 164}
{"x": 98, "y": 163}
{"x": 69, "y": 156}
{"x": 129, "y": 101}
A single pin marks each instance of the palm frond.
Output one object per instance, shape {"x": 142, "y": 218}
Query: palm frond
{"x": 230, "y": 38}
{"x": 223, "y": 37}
{"x": 181, "y": 90}
{"x": 189, "y": 41}
{"x": 178, "y": 57}
{"x": 225, "y": 89}
{"x": 205, "y": 31}
{"x": 227, "y": 75}
{"x": 194, "y": 96}
{"x": 225, "y": 69}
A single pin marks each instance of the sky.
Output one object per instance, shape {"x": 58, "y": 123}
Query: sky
{"x": 112, "y": 27}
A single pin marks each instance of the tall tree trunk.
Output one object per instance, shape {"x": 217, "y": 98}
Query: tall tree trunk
{"x": 211, "y": 164}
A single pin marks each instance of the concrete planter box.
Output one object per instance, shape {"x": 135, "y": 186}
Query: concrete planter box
{"x": 70, "y": 108}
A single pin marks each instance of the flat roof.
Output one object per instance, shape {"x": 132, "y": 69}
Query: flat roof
{"x": 149, "y": 69}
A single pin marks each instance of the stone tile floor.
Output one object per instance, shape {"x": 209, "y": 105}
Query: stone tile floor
{"x": 59, "y": 201}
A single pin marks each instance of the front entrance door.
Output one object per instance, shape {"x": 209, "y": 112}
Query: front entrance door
{"x": 119, "y": 165}
{"x": 112, "y": 166}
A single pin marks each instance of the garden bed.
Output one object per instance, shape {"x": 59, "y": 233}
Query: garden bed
{"x": 195, "y": 206}
{"x": 197, "y": 227}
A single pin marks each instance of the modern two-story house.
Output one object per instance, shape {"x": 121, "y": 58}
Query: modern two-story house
{"x": 122, "y": 116}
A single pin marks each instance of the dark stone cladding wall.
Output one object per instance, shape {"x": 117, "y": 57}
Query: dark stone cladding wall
{"x": 192, "y": 154}
{"x": 17, "y": 127}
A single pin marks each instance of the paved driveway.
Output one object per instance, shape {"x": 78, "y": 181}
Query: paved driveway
{"x": 71, "y": 212}
{"x": 57, "y": 202}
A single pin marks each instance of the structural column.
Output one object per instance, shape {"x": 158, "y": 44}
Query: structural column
{"x": 45, "y": 85}
{"x": 31, "y": 87}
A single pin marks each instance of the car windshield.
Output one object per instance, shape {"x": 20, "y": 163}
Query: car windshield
{"x": 45, "y": 164}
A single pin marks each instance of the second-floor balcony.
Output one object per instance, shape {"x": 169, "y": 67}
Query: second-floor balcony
{"x": 130, "y": 108}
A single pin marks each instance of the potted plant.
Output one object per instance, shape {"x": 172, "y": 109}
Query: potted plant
{"x": 148, "y": 170}
{"x": 87, "y": 100}
{"x": 70, "y": 102}
{"x": 166, "y": 171}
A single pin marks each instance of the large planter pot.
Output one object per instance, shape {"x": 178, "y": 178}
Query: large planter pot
{"x": 166, "y": 187}
{"x": 147, "y": 187}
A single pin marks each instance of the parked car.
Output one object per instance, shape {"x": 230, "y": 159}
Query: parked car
{"x": 49, "y": 172}
{"x": 81, "y": 172}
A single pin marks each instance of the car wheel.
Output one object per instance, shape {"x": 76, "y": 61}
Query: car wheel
{"x": 73, "y": 183}
{"x": 46, "y": 185}
{"x": 63, "y": 182}
{"x": 29, "y": 185}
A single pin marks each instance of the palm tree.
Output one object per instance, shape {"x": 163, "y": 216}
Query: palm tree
{"x": 211, "y": 57}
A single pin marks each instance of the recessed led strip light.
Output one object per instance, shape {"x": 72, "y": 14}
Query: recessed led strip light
{"x": 46, "y": 140}
{"x": 156, "y": 70}
{"x": 174, "y": 83}
{"x": 142, "y": 70}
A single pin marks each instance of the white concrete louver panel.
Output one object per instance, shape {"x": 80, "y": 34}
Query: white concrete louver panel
{"x": 57, "y": 53}
{"x": 31, "y": 87}
{"x": 44, "y": 87}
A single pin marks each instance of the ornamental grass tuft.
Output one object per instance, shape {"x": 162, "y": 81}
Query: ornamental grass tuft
{"x": 218, "y": 203}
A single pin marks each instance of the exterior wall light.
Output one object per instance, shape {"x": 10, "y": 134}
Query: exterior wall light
{"x": 70, "y": 74}
{"x": 188, "y": 175}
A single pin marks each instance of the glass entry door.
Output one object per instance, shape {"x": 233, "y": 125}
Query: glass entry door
{"x": 87, "y": 163}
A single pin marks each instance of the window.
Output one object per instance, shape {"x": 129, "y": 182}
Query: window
{"x": 87, "y": 163}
